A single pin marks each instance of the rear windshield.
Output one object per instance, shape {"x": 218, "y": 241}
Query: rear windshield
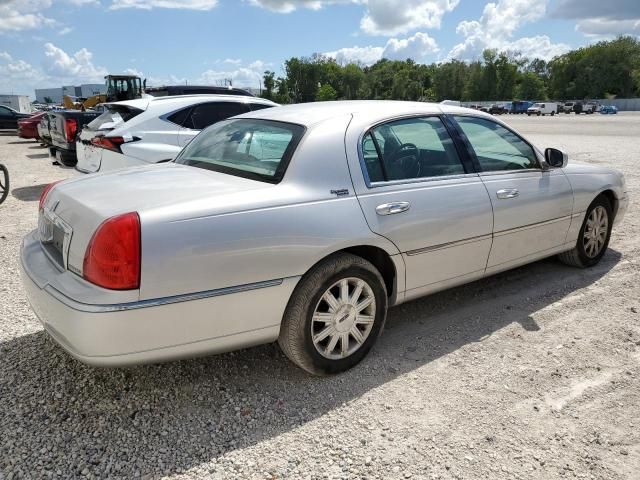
{"x": 113, "y": 116}
{"x": 250, "y": 148}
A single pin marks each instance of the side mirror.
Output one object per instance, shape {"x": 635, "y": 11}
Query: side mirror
{"x": 556, "y": 158}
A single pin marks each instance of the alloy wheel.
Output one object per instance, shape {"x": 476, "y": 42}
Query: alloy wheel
{"x": 595, "y": 231}
{"x": 343, "y": 318}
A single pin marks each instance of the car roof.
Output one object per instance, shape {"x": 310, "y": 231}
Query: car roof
{"x": 309, "y": 114}
{"x": 177, "y": 101}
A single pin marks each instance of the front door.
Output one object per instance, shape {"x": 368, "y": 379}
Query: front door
{"x": 419, "y": 194}
{"x": 532, "y": 207}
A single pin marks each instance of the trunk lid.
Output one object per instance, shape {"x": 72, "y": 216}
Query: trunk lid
{"x": 180, "y": 192}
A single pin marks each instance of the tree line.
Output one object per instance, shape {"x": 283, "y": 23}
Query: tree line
{"x": 607, "y": 69}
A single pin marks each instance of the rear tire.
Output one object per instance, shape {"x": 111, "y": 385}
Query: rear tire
{"x": 593, "y": 231}
{"x": 66, "y": 159}
{"x": 313, "y": 332}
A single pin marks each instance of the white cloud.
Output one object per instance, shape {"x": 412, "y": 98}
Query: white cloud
{"x": 249, "y": 75}
{"x": 602, "y": 27}
{"x": 76, "y": 67}
{"x": 365, "y": 55}
{"x": 496, "y": 27}
{"x": 172, "y": 4}
{"x": 65, "y": 30}
{"x": 287, "y": 6}
{"x": 381, "y": 17}
{"x": 601, "y": 19}
{"x": 232, "y": 61}
{"x": 17, "y": 75}
{"x": 387, "y": 17}
{"x": 418, "y": 47}
{"x": 18, "y": 15}
{"x": 133, "y": 71}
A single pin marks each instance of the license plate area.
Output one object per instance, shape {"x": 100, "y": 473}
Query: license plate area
{"x": 55, "y": 237}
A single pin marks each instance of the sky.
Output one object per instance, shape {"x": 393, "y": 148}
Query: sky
{"x": 50, "y": 43}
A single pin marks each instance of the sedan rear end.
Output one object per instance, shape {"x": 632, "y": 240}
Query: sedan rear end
{"x": 28, "y": 127}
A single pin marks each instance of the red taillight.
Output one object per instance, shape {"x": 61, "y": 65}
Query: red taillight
{"x": 70, "y": 129}
{"x": 110, "y": 143}
{"x": 112, "y": 259}
{"x": 45, "y": 192}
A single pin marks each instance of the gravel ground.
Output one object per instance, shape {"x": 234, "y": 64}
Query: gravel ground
{"x": 534, "y": 373}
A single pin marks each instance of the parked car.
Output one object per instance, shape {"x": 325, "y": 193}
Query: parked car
{"x": 547, "y": 108}
{"x": 498, "y": 109}
{"x": 172, "y": 90}
{"x": 590, "y": 107}
{"x": 609, "y": 110}
{"x": 44, "y": 132}
{"x": 519, "y": 106}
{"x": 9, "y": 117}
{"x": 302, "y": 224}
{"x": 28, "y": 127}
{"x": 152, "y": 130}
{"x": 568, "y": 107}
{"x": 64, "y": 128}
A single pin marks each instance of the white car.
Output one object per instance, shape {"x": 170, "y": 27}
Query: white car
{"x": 302, "y": 224}
{"x": 547, "y": 108}
{"x": 153, "y": 129}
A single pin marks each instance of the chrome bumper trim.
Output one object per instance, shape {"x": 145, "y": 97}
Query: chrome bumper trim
{"x": 155, "y": 302}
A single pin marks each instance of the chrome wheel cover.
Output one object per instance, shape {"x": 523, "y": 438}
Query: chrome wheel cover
{"x": 595, "y": 231}
{"x": 343, "y": 318}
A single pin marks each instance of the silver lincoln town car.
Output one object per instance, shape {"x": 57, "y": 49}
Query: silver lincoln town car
{"x": 303, "y": 224}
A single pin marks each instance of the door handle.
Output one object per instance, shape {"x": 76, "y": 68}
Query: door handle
{"x": 507, "y": 193}
{"x": 392, "y": 208}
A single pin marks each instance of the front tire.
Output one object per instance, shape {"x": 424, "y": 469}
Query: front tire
{"x": 335, "y": 315}
{"x": 593, "y": 239}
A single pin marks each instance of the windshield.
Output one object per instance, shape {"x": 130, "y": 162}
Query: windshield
{"x": 250, "y": 148}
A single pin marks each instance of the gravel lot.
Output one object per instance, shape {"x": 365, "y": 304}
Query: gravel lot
{"x": 534, "y": 373}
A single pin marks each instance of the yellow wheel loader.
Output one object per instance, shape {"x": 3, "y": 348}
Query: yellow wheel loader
{"x": 119, "y": 87}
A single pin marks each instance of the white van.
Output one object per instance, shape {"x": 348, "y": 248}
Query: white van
{"x": 547, "y": 108}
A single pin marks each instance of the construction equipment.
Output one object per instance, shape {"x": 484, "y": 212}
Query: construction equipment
{"x": 119, "y": 87}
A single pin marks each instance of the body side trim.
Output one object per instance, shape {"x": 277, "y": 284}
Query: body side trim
{"x": 155, "y": 302}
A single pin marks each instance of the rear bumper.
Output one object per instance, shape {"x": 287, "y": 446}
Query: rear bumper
{"x": 153, "y": 330}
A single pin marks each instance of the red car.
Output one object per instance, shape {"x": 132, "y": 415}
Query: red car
{"x": 28, "y": 127}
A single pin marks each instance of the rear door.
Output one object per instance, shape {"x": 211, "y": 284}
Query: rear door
{"x": 532, "y": 207}
{"x": 420, "y": 194}
{"x": 203, "y": 115}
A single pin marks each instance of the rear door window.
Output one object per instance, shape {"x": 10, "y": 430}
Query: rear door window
{"x": 207, "y": 114}
{"x": 496, "y": 147}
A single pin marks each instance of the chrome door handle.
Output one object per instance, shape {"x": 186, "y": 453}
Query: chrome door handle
{"x": 391, "y": 208}
{"x": 507, "y": 193}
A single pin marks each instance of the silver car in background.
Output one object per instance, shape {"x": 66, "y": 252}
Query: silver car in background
{"x": 303, "y": 224}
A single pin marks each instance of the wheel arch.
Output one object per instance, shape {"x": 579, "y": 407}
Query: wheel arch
{"x": 612, "y": 198}
{"x": 391, "y": 267}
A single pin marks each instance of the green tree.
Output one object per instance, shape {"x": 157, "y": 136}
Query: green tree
{"x": 531, "y": 87}
{"x": 269, "y": 83}
{"x": 325, "y": 93}
{"x": 48, "y": 100}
